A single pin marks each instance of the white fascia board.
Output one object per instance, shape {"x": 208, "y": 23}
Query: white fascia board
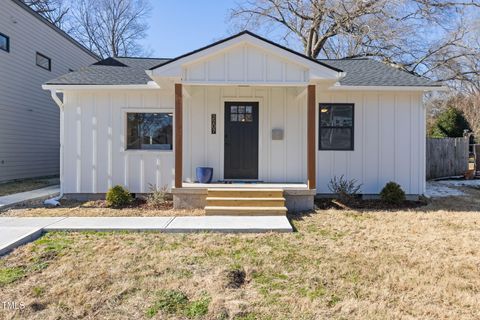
{"x": 245, "y": 84}
{"x": 387, "y": 88}
{"x": 174, "y": 69}
{"x": 150, "y": 85}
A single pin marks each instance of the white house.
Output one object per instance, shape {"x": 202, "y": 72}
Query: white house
{"x": 252, "y": 110}
{"x": 32, "y": 51}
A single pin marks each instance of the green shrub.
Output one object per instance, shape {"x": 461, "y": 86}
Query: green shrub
{"x": 392, "y": 193}
{"x": 118, "y": 196}
{"x": 449, "y": 123}
{"x": 158, "y": 197}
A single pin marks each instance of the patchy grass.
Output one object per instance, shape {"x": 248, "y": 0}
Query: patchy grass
{"x": 9, "y": 275}
{"x": 42, "y": 252}
{"x": 26, "y": 185}
{"x": 341, "y": 264}
{"x": 176, "y": 303}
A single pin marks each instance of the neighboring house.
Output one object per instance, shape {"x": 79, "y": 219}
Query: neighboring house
{"x": 250, "y": 109}
{"x": 32, "y": 50}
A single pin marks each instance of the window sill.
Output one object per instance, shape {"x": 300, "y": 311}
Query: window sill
{"x": 138, "y": 151}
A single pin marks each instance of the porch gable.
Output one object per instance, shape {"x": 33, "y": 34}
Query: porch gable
{"x": 244, "y": 59}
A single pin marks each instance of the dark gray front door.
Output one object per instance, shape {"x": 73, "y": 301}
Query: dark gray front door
{"x": 241, "y": 140}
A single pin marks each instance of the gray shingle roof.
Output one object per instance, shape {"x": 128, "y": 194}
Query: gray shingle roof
{"x": 367, "y": 72}
{"x": 129, "y": 71}
{"x": 111, "y": 71}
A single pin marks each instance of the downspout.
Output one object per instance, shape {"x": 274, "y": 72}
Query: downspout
{"x": 56, "y": 201}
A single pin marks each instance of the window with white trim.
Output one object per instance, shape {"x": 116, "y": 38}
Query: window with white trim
{"x": 149, "y": 131}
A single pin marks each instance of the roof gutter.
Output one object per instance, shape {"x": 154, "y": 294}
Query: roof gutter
{"x": 338, "y": 87}
{"x": 62, "y": 87}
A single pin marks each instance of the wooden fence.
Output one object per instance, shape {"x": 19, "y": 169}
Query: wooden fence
{"x": 446, "y": 157}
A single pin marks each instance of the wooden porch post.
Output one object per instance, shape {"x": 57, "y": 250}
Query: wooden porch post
{"x": 311, "y": 150}
{"x": 178, "y": 135}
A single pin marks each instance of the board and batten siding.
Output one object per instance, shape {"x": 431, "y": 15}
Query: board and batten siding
{"x": 389, "y": 141}
{"x": 245, "y": 63}
{"x": 279, "y": 108}
{"x": 95, "y": 158}
{"x": 389, "y": 138}
{"x": 29, "y": 119}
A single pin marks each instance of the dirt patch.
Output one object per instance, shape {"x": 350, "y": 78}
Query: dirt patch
{"x": 235, "y": 278}
{"x": 37, "y": 306}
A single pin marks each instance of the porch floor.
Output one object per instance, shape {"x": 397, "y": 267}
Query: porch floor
{"x": 259, "y": 185}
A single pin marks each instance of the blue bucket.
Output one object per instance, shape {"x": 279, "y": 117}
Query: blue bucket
{"x": 204, "y": 174}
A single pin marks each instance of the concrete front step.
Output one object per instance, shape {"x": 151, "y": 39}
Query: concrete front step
{"x": 245, "y": 202}
{"x": 245, "y": 193}
{"x": 245, "y": 211}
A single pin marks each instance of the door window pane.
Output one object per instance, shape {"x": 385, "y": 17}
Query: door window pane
{"x": 150, "y": 131}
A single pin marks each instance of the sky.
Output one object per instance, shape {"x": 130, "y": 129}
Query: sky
{"x": 180, "y": 26}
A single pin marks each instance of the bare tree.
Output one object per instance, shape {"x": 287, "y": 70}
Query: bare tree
{"x": 54, "y": 11}
{"x": 111, "y": 27}
{"x": 425, "y": 37}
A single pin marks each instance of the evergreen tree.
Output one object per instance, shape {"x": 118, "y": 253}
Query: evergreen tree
{"x": 450, "y": 123}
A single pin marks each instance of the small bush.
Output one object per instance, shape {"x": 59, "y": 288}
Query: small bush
{"x": 118, "y": 196}
{"x": 158, "y": 197}
{"x": 345, "y": 189}
{"x": 392, "y": 193}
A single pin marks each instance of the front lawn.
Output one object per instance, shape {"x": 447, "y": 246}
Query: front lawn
{"x": 340, "y": 264}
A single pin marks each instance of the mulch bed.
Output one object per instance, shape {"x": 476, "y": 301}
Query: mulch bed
{"x": 370, "y": 204}
{"x": 137, "y": 203}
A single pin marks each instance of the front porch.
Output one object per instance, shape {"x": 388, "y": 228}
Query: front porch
{"x": 246, "y": 108}
{"x": 272, "y": 147}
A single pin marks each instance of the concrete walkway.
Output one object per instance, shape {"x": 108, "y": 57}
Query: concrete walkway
{"x": 17, "y": 231}
{"x": 15, "y": 198}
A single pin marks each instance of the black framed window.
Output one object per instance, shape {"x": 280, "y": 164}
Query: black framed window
{"x": 4, "y": 42}
{"x": 150, "y": 131}
{"x": 336, "y": 126}
{"x": 43, "y": 61}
